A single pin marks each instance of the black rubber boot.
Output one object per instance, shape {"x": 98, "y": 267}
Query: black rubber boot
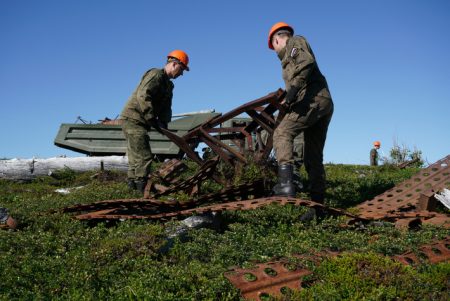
{"x": 140, "y": 184}
{"x": 131, "y": 184}
{"x": 285, "y": 186}
{"x": 317, "y": 197}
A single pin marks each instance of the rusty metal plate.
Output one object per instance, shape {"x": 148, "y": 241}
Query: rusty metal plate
{"x": 432, "y": 253}
{"x": 412, "y": 194}
{"x": 141, "y": 210}
{"x": 270, "y": 278}
{"x": 266, "y": 279}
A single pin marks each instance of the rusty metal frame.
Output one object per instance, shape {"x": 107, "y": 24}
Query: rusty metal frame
{"x": 156, "y": 210}
{"x": 212, "y": 132}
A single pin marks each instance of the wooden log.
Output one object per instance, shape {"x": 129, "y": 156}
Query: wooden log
{"x": 28, "y": 169}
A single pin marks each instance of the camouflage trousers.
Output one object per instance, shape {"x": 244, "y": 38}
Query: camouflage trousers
{"x": 312, "y": 118}
{"x": 138, "y": 149}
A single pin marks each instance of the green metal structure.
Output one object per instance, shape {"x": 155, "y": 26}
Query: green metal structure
{"x": 108, "y": 139}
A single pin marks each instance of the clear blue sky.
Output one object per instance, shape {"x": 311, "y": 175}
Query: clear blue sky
{"x": 387, "y": 64}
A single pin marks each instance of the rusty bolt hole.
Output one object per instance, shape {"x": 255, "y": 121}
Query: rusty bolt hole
{"x": 399, "y": 200}
{"x": 264, "y": 297}
{"x": 285, "y": 290}
{"x": 271, "y": 272}
{"x": 409, "y": 260}
{"x": 418, "y": 190}
{"x": 422, "y": 255}
{"x": 426, "y": 174}
{"x": 436, "y": 251}
{"x": 436, "y": 179}
{"x": 250, "y": 277}
{"x": 417, "y": 179}
{"x": 399, "y": 190}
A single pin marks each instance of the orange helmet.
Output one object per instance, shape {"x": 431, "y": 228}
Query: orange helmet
{"x": 376, "y": 143}
{"x": 181, "y": 56}
{"x": 275, "y": 28}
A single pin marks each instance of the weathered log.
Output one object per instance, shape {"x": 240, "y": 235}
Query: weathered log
{"x": 28, "y": 169}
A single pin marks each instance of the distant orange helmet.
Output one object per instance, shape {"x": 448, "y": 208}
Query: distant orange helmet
{"x": 376, "y": 143}
{"x": 275, "y": 28}
{"x": 181, "y": 56}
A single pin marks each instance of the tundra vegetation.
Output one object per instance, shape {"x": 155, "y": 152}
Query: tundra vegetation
{"x": 53, "y": 256}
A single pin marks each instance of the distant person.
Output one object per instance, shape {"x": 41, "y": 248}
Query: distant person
{"x": 374, "y": 153}
{"x": 150, "y": 105}
{"x": 309, "y": 110}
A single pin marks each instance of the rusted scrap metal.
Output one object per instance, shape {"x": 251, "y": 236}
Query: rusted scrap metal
{"x": 416, "y": 218}
{"x": 213, "y": 133}
{"x": 128, "y": 208}
{"x": 271, "y": 278}
{"x": 139, "y": 209}
{"x": 414, "y": 194}
{"x": 192, "y": 184}
{"x": 266, "y": 279}
{"x": 6, "y": 220}
{"x": 408, "y": 163}
{"x": 433, "y": 253}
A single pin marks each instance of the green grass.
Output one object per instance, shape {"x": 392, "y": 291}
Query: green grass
{"x": 52, "y": 256}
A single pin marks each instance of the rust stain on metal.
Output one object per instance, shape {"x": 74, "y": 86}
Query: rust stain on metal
{"x": 414, "y": 194}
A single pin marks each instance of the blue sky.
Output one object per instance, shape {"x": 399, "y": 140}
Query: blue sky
{"x": 387, "y": 64}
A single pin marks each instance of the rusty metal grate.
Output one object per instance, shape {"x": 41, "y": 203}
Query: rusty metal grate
{"x": 413, "y": 194}
{"x": 269, "y": 279}
{"x": 153, "y": 209}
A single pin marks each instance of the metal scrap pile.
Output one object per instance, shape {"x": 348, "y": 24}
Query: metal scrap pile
{"x": 409, "y": 204}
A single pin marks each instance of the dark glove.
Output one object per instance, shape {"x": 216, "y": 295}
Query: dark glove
{"x": 291, "y": 96}
{"x": 162, "y": 124}
{"x": 155, "y": 123}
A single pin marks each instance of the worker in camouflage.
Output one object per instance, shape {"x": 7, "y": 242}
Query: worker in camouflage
{"x": 309, "y": 110}
{"x": 150, "y": 105}
{"x": 374, "y": 153}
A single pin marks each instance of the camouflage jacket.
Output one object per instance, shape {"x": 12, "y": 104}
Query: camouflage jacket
{"x": 152, "y": 98}
{"x": 373, "y": 157}
{"x": 300, "y": 70}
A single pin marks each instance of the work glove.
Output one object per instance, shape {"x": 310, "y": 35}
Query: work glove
{"x": 162, "y": 124}
{"x": 155, "y": 123}
{"x": 291, "y": 96}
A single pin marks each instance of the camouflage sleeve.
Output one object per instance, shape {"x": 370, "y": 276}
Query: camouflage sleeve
{"x": 304, "y": 62}
{"x": 148, "y": 90}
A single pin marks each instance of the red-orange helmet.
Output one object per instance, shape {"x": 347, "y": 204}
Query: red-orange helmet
{"x": 275, "y": 28}
{"x": 377, "y": 143}
{"x": 181, "y": 56}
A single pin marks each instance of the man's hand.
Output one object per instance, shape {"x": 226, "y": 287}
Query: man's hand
{"x": 291, "y": 96}
{"x": 162, "y": 124}
{"x": 155, "y": 123}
